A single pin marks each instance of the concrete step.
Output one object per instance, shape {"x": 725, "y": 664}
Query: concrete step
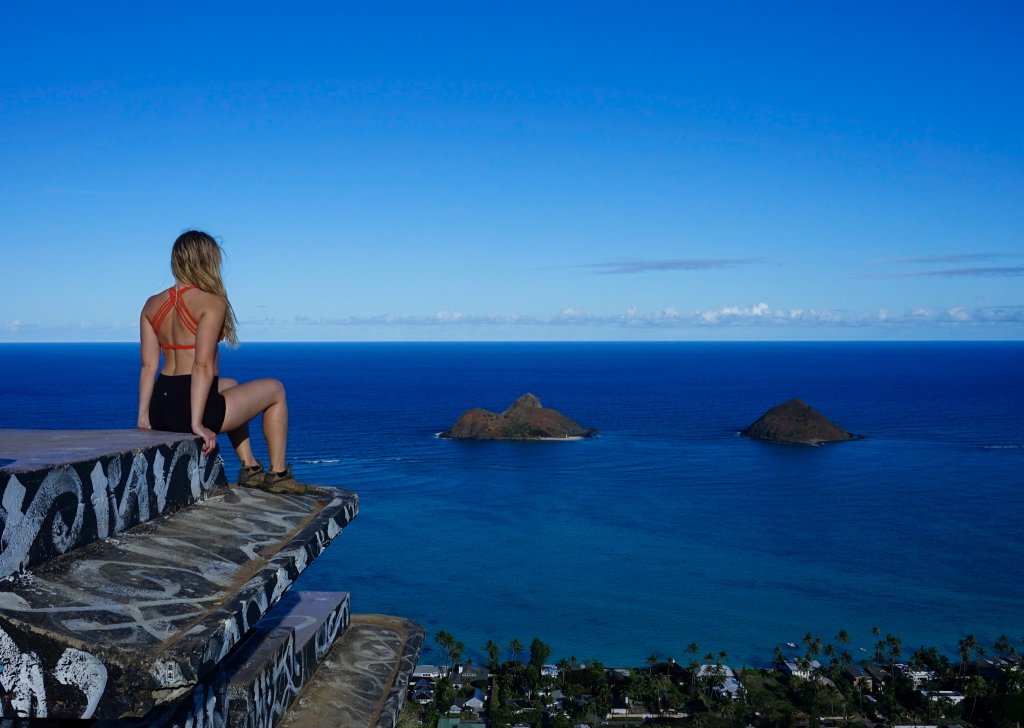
{"x": 264, "y": 673}
{"x": 62, "y": 489}
{"x": 363, "y": 680}
{"x": 273, "y": 665}
{"x": 120, "y": 626}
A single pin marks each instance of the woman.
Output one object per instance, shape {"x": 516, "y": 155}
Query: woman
{"x": 186, "y": 322}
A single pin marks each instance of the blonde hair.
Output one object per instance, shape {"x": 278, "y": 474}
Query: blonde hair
{"x": 195, "y": 261}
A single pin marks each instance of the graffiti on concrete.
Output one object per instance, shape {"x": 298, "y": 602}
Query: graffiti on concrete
{"x": 262, "y": 701}
{"x": 160, "y": 606}
{"x": 362, "y": 681}
{"x": 24, "y": 685}
{"x": 48, "y": 512}
{"x": 257, "y": 697}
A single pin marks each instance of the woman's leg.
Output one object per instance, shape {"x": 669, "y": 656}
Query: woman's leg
{"x": 245, "y": 401}
{"x": 240, "y": 435}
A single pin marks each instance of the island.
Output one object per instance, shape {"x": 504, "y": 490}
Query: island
{"x": 797, "y": 422}
{"x": 525, "y": 419}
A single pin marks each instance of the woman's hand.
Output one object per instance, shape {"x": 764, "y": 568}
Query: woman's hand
{"x": 143, "y": 424}
{"x": 209, "y": 438}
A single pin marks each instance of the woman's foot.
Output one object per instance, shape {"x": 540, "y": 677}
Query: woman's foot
{"x": 251, "y": 476}
{"x": 283, "y": 482}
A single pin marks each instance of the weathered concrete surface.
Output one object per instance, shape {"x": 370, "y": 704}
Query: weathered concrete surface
{"x": 138, "y": 620}
{"x": 41, "y": 449}
{"x": 273, "y": 664}
{"x": 62, "y": 489}
{"x": 264, "y": 673}
{"x": 363, "y": 680}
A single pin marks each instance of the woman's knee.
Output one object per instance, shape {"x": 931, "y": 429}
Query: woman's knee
{"x": 277, "y": 387}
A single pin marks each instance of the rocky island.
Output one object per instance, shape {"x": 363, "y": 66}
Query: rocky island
{"x": 525, "y": 419}
{"x": 797, "y": 422}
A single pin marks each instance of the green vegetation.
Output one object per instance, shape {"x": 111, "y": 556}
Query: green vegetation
{"x": 817, "y": 684}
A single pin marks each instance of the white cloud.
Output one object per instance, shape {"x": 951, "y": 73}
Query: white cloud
{"x": 758, "y": 314}
{"x": 735, "y": 314}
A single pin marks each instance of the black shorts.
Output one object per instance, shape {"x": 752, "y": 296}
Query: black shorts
{"x": 171, "y": 406}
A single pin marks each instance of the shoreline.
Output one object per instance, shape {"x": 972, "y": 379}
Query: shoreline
{"x": 572, "y": 438}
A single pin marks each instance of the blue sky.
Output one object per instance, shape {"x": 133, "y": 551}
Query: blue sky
{"x": 521, "y": 171}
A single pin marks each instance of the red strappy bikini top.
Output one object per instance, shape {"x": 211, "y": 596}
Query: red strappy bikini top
{"x": 176, "y": 302}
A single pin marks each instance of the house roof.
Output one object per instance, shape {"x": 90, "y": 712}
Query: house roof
{"x": 709, "y": 670}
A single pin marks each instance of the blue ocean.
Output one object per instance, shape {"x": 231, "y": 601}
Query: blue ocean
{"x": 666, "y": 529}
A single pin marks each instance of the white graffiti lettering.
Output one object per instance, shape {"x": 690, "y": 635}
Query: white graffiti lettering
{"x": 85, "y": 672}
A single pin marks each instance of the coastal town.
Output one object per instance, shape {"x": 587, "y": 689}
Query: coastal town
{"x": 815, "y": 682}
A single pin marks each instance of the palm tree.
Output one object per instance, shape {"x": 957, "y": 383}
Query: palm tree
{"x": 843, "y": 638}
{"x": 964, "y": 648}
{"x": 539, "y": 653}
{"x": 833, "y": 661}
{"x": 879, "y": 651}
{"x": 652, "y": 660}
{"x": 895, "y": 648}
{"x": 1015, "y": 681}
{"x": 563, "y": 668}
{"x": 1003, "y": 646}
{"x": 515, "y": 647}
{"x": 694, "y": 667}
{"x": 975, "y": 687}
{"x": 493, "y": 655}
{"x": 451, "y": 647}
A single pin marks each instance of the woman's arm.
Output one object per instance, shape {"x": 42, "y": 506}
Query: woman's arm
{"x": 150, "y": 351}
{"x": 211, "y": 323}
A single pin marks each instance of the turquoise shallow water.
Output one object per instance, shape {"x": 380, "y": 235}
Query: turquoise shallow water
{"x": 668, "y": 528}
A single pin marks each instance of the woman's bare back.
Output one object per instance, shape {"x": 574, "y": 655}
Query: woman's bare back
{"x": 173, "y": 332}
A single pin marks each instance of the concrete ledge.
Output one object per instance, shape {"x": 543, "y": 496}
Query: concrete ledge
{"x": 120, "y": 626}
{"x": 363, "y": 680}
{"x": 29, "y": 450}
{"x": 263, "y": 675}
{"x": 269, "y": 670}
{"x": 62, "y": 489}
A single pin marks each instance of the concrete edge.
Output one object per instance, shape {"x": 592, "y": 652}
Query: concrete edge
{"x": 202, "y": 653}
{"x": 414, "y": 635}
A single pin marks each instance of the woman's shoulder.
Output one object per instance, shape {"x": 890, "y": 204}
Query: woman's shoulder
{"x": 155, "y": 300}
{"x": 199, "y": 300}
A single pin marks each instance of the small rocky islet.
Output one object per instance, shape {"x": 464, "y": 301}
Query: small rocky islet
{"x": 525, "y": 419}
{"x": 796, "y": 422}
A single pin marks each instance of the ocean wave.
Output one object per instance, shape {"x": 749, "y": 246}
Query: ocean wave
{"x": 321, "y": 462}
{"x": 1002, "y": 447}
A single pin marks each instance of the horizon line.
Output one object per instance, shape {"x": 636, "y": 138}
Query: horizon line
{"x": 552, "y": 341}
